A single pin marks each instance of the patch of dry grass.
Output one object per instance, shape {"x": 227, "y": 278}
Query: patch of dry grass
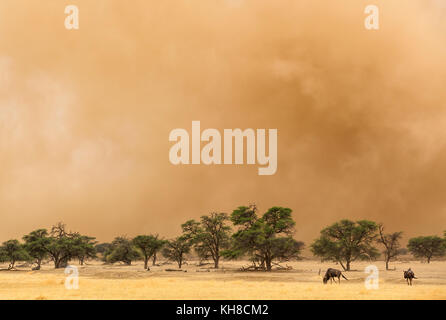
{"x": 99, "y": 281}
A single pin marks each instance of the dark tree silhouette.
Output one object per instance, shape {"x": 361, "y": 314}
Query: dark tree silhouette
{"x": 122, "y": 249}
{"x": 347, "y": 241}
{"x": 175, "y": 249}
{"x": 264, "y": 239}
{"x": 392, "y": 247}
{"x": 209, "y": 236}
{"x": 149, "y": 245}
{"x": 427, "y": 247}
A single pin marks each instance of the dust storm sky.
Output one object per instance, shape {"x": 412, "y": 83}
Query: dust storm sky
{"x": 85, "y": 115}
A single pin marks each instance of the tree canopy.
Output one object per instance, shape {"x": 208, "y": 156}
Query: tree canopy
{"x": 13, "y": 251}
{"x": 264, "y": 239}
{"x": 176, "y": 249}
{"x": 64, "y": 246}
{"x": 427, "y": 247}
{"x": 123, "y": 250}
{"x": 391, "y": 243}
{"x": 83, "y": 248}
{"x": 149, "y": 245}
{"x": 346, "y": 241}
{"x": 36, "y": 243}
{"x": 209, "y": 236}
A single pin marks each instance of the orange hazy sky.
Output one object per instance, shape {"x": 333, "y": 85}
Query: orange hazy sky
{"x": 85, "y": 115}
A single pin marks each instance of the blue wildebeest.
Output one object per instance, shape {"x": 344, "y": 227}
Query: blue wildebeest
{"x": 409, "y": 275}
{"x": 331, "y": 274}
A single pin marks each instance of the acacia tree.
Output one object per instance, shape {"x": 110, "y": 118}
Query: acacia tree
{"x": 83, "y": 248}
{"x": 36, "y": 243}
{"x": 60, "y": 247}
{"x": 149, "y": 246}
{"x": 3, "y": 257}
{"x": 390, "y": 241}
{"x": 103, "y": 249}
{"x": 264, "y": 239}
{"x": 209, "y": 236}
{"x": 122, "y": 249}
{"x": 347, "y": 241}
{"x": 64, "y": 246}
{"x": 202, "y": 253}
{"x": 175, "y": 249}
{"x": 427, "y": 247}
{"x": 13, "y": 251}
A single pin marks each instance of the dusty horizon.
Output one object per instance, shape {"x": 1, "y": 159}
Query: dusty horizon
{"x": 85, "y": 114}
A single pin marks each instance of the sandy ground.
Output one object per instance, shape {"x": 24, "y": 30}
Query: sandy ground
{"x": 98, "y": 281}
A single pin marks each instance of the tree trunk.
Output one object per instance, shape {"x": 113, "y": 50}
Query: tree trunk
{"x": 428, "y": 259}
{"x": 216, "y": 260}
{"x": 180, "y": 262}
{"x": 348, "y": 266}
{"x": 387, "y": 264}
{"x": 60, "y": 261}
{"x": 268, "y": 264}
{"x": 154, "y": 259}
{"x": 146, "y": 262}
{"x": 58, "y": 264}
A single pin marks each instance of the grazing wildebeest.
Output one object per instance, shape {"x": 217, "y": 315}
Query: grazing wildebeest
{"x": 331, "y": 274}
{"x": 409, "y": 275}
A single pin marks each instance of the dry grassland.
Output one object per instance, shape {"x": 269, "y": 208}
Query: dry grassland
{"x": 98, "y": 281}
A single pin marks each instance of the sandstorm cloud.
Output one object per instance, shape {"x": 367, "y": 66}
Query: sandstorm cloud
{"x": 85, "y": 115}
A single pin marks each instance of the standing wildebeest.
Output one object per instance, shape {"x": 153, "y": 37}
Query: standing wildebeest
{"x": 331, "y": 274}
{"x": 409, "y": 275}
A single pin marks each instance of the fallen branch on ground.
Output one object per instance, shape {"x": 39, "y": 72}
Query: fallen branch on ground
{"x": 280, "y": 267}
{"x": 175, "y": 270}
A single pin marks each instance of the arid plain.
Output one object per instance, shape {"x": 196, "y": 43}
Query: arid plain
{"x": 303, "y": 281}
